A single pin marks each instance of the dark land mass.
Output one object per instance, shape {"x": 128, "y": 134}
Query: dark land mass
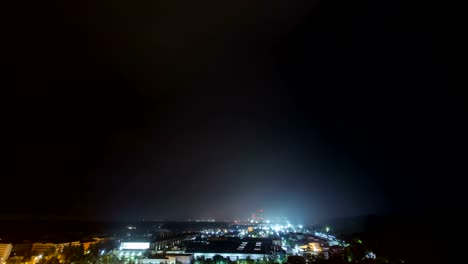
{"x": 39, "y": 230}
{"x": 413, "y": 236}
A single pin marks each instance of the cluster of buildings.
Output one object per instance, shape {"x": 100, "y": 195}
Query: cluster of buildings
{"x": 233, "y": 248}
{"x": 35, "y": 250}
{"x": 5, "y": 250}
{"x": 257, "y": 240}
{"x": 145, "y": 253}
{"x": 163, "y": 247}
{"x": 314, "y": 245}
{"x": 150, "y": 243}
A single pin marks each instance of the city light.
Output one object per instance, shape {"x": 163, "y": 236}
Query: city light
{"x": 255, "y": 240}
{"x": 135, "y": 245}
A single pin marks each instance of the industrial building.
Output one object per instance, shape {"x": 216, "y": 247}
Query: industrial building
{"x": 233, "y": 249}
{"x": 132, "y": 249}
{"x": 172, "y": 258}
{"x": 5, "y": 250}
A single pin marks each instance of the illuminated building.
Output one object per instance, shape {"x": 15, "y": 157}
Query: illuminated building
{"x": 159, "y": 260}
{"x": 168, "y": 259}
{"x": 134, "y": 245}
{"x": 59, "y": 246}
{"x": 313, "y": 247}
{"x": 260, "y": 215}
{"x": 21, "y": 249}
{"x": 232, "y": 249}
{"x": 41, "y": 248}
{"x": 257, "y": 217}
{"x": 92, "y": 241}
{"x": 132, "y": 249}
{"x": 181, "y": 257}
{"x": 86, "y": 244}
{"x": 5, "y": 250}
{"x": 316, "y": 248}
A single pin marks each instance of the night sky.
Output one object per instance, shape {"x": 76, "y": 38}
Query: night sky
{"x": 213, "y": 109}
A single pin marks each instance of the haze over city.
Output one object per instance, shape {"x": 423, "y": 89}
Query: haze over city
{"x": 313, "y": 111}
{"x": 161, "y": 111}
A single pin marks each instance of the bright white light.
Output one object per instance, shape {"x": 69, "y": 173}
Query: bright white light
{"x": 300, "y": 226}
{"x": 371, "y": 255}
{"x": 135, "y": 245}
{"x": 296, "y": 250}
